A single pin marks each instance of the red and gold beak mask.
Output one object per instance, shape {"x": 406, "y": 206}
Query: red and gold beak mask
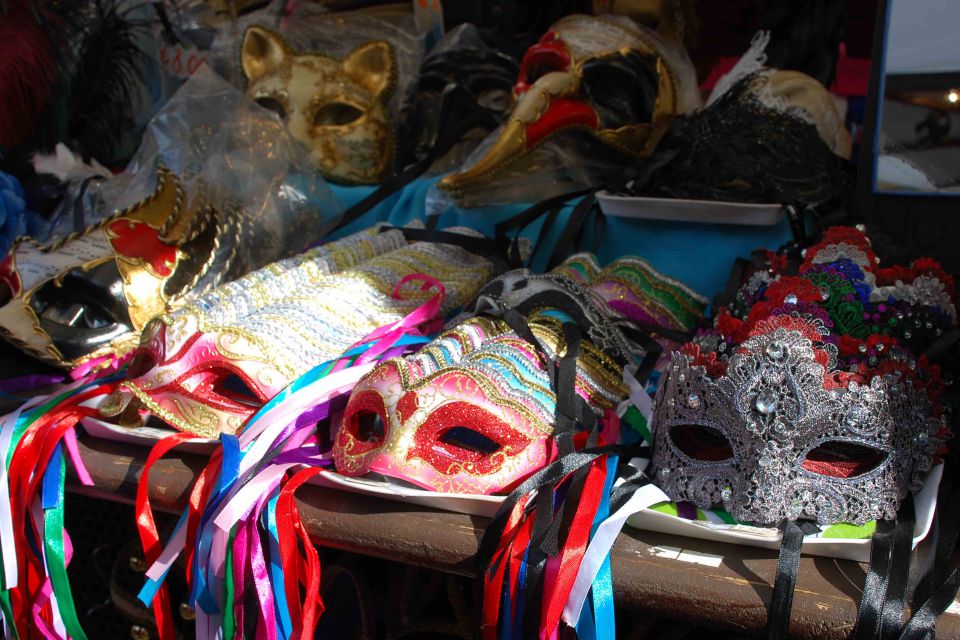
{"x": 606, "y": 77}
{"x": 89, "y": 295}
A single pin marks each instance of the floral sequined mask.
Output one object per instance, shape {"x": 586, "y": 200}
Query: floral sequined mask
{"x": 604, "y": 76}
{"x": 808, "y": 400}
{"x": 337, "y": 108}
{"x": 474, "y": 411}
{"x": 207, "y": 368}
{"x": 90, "y": 294}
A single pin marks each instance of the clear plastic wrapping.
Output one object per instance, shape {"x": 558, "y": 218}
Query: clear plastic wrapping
{"x": 235, "y": 156}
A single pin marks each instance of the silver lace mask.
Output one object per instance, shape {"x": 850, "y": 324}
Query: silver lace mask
{"x": 768, "y": 442}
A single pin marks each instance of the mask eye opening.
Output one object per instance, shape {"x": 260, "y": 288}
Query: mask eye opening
{"x": 234, "y": 388}
{"x": 368, "y": 426}
{"x": 272, "y": 104}
{"x": 543, "y": 63}
{"x": 469, "y": 440}
{"x": 701, "y": 442}
{"x": 843, "y": 459}
{"x": 336, "y": 114}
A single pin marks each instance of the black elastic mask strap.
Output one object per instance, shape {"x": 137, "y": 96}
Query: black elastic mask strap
{"x": 875, "y": 586}
{"x": 781, "y": 603}
{"x": 895, "y": 600}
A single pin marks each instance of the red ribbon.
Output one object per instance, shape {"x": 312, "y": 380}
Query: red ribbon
{"x": 575, "y": 545}
{"x": 493, "y": 582}
{"x": 150, "y": 538}
{"x": 289, "y": 529}
{"x": 199, "y": 497}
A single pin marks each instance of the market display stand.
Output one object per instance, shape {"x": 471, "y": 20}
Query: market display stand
{"x": 682, "y": 578}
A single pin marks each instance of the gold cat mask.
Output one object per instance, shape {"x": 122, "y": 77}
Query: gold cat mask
{"x": 337, "y": 108}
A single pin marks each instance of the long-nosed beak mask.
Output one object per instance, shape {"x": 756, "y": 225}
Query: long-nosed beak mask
{"x": 607, "y": 78}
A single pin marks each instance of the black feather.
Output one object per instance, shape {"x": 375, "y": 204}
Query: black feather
{"x": 105, "y": 84}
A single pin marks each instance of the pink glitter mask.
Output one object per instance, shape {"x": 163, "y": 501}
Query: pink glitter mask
{"x": 474, "y": 412}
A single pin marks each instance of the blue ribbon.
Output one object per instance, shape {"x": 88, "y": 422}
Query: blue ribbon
{"x": 276, "y": 570}
{"x": 52, "y": 495}
{"x": 150, "y": 588}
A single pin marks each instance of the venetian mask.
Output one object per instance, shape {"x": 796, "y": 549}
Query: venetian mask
{"x": 607, "y": 78}
{"x": 809, "y": 399}
{"x": 474, "y": 411}
{"x": 337, "y": 108}
{"x": 463, "y": 92}
{"x": 89, "y": 294}
{"x": 208, "y": 367}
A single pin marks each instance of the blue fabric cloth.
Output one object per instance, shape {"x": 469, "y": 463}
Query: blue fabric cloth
{"x": 14, "y": 218}
{"x": 699, "y": 255}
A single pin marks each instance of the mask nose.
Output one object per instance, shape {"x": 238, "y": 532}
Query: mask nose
{"x": 551, "y": 104}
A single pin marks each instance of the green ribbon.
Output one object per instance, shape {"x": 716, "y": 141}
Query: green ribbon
{"x": 53, "y": 545}
{"x": 229, "y": 622}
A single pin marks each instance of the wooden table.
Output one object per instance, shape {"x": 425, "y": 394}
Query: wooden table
{"x": 710, "y": 583}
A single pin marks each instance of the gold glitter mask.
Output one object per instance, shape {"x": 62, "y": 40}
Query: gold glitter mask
{"x": 337, "y": 108}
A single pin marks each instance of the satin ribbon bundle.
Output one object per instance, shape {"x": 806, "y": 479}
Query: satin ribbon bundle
{"x": 34, "y": 440}
{"x": 247, "y": 490}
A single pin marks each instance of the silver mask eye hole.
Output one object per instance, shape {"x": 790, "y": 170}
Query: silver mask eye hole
{"x": 843, "y": 459}
{"x": 469, "y": 440}
{"x": 336, "y": 114}
{"x": 701, "y": 442}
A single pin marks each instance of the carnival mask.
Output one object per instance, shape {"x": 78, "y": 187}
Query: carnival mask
{"x": 89, "y": 294}
{"x": 606, "y": 77}
{"x": 474, "y": 411}
{"x": 814, "y": 405}
{"x": 337, "y": 108}
{"x": 463, "y": 92}
{"x": 769, "y": 137}
{"x": 209, "y": 367}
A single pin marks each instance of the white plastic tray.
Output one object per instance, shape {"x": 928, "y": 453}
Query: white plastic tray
{"x": 486, "y": 506}
{"x": 679, "y": 210}
{"x": 142, "y": 436}
{"x": 849, "y": 549}
{"x": 767, "y": 538}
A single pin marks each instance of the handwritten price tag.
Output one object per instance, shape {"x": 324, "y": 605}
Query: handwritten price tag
{"x": 179, "y": 61}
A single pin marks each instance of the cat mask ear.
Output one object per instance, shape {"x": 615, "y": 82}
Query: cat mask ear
{"x": 261, "y": 53}
{"x": 373, "y": 65}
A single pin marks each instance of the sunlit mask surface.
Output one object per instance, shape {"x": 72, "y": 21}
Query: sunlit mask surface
{"x": 474, "y": 411}
{"x": 809, "y": 400}
{"x": 209, "y": 367}
{"x": 337, "y": 108}
{"x": 605, "y": 77}
{"x": 90, "y": 294}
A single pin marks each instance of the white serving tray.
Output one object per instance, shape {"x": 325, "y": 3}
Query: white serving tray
{"x": 143, "y": 436}
{"x": 849, "y": 549}
{"x": 486, "y": 506}
{"x": 767, "y": 538}
{"x": 679, "y": 210}
{"x": 470, "y": 504}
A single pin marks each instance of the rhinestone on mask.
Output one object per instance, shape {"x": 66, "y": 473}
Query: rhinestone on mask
{"x": 766, "y": 402}
{"x": 777, "y": 350}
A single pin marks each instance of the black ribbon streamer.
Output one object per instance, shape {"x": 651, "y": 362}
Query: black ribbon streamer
{"x": 784, "y": 585}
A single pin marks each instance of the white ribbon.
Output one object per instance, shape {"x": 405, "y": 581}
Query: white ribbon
{"x": 600, "y": 546}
